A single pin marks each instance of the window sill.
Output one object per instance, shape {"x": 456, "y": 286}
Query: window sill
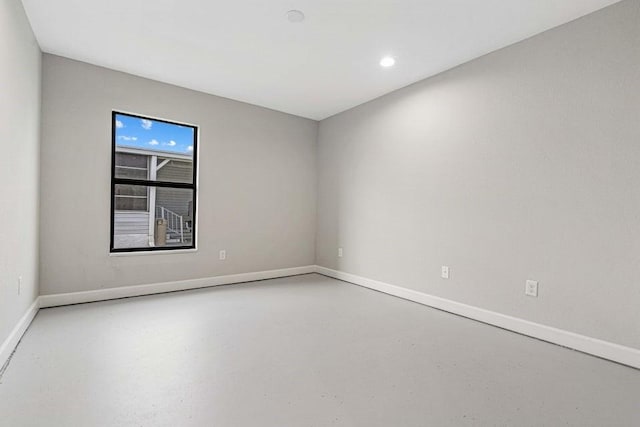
{"x": 162, "y": 252}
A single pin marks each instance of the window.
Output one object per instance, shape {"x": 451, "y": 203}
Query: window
{"x": 153, "y": 184}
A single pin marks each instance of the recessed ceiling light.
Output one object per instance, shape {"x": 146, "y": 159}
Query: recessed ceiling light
{"x": 387, "y": 61}
{"x": 295, "y": 16}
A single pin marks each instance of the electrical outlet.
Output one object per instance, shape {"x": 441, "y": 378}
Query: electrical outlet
{"x": 531, "y": 288}
{"x": 339, "y": 252}
{"x": 223, "y": 255}
{"x": 19, "y": 284}
{"x": 444, "y": 273}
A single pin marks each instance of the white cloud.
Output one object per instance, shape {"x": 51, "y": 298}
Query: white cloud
{"x": 171, "y": 143}
{"x": 153, "y": 142}
{"x": 128, "y": 138}
{"x": 146, "y": 124}
{"x": 190, "y": 148}
{"x": 119, "y": 124}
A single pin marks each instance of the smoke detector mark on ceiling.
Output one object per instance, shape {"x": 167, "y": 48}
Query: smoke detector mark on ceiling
{"x": 295, "y": 16}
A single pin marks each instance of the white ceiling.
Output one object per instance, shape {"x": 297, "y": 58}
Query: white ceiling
{"x": 248, "y": 51}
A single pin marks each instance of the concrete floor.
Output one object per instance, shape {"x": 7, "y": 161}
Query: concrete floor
{"x": 301, "y": 351}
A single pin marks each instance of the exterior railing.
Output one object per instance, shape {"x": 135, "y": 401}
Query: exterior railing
{"x": 175, "y": 222}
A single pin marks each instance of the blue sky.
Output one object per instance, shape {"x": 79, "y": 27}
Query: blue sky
{"x": 153, "y": 135}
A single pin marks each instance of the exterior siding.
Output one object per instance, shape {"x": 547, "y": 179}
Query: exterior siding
{"x": 176, "y": 200}
{"x": 129, "y": 222}
{"x": 175, "y": 171}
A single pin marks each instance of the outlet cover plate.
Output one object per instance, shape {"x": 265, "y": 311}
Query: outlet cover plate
{"x": 531, "y": 288}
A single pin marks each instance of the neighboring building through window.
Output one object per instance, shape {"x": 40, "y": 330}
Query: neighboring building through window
{"x": 153, "y": 184}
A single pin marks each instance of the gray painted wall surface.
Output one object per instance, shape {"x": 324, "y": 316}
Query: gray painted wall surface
{"x": 257, "y": 181}
{"x": 523, "y": 164}
{"x": 19, "y": 140}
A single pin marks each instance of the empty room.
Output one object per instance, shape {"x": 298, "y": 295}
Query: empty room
{"x": 320, "y": 213}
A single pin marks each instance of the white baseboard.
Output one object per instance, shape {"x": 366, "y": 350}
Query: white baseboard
{"x": 55, "y": 300}
{"x": 16, "y": 334}
{"x": 604, "y": 349}
{"x": 44, "y": 301}
{"x": 625, "y": 355}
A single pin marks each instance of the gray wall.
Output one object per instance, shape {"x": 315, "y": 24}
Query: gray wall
{"x": 523, "y": 164}
{"x": 19, "y": 139}
{"x": 257, "y": 181}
